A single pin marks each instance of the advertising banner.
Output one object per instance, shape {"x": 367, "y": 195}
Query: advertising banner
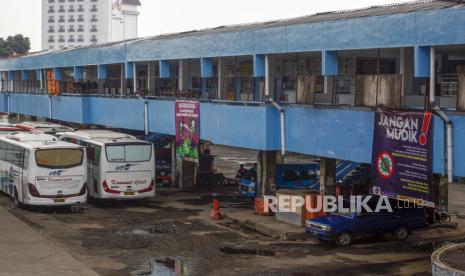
{"x": 187, "y": 121}
{"x": 403, "y": 155}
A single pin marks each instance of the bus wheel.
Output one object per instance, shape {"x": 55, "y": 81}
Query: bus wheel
{"x": 16, "y": 201}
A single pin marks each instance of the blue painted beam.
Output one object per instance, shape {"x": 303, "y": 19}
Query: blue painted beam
{"x": 164, "y": 68}
{"x": 258, "y": 65}
{"x": 129, "y": 70}
{"x": 24, "y": 75}
{"x": 329, "y": 63}
{"x": 101, "y": 71}
{"x": 78, "y": 73}
{"x": 422, "y": 61}
{"x": 206, "y": 67}
{"x": 57, "y": 74}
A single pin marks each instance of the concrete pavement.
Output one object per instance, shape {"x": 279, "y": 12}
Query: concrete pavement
{"x": 23, "y": 251}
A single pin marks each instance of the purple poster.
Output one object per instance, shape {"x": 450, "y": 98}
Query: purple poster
{"x": 403, "y": 155}
{"x": 187, "y": 130}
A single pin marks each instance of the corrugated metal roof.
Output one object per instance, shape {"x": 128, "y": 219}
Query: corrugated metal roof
{"x": 412, "y": 6}
{"x": 406, "y": 7}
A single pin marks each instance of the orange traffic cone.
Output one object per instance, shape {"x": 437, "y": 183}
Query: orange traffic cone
{"x": 215, "y": 214}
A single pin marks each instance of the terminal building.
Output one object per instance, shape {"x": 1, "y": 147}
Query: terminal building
{"x": 327, "y": 72}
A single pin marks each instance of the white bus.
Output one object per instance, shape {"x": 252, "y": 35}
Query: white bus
{"x": 44, "y": 127}
{"x": 36, "y": 169}
{"x": 119, "y": 166}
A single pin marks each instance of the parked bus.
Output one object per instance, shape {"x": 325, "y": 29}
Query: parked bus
{"x": 119, "y": 165}
{"x": 7, "y": 128}
{"x": 36, "y": 169}
{"x": 44, "y": 127}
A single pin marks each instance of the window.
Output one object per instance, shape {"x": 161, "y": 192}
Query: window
{"x": 51, "y": 9}
{"x": 80, "y": 8}
{"x": 94, "y": 8}
{"x": 129, "y": 153}
{"x": 51, "y": 19}
{"x": 61, "y": 9}
{"x": 94, "y": 18}
{"x": 62, "y": 18}
{"x": 291, "y": 175}
{"x": 12, "y": 154}
{"x": 71, "y": 18}
{"x": 59, "y": 158}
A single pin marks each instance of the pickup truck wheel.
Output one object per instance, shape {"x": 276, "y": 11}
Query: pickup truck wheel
{"x": 344, "y": 238}
{"x": 401, "y": 233}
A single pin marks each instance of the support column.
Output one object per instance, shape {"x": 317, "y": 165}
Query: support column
{"x": 24, "y": 80}
{"x": 174, "y": 165}
{"x": 164, "y": 68}
{"x": 329, "y": 70}
{"x": 266, "y": 172}
{"x": 328, "y": 176}
{"x": 101, "y": 77}
{"x": 183, "y": 75}
{"x": 129, "y": 73}
{"x": 206, "y": 72}
{"x": 422, "y": 61}
{"x": 220, "y": 81}
{"x": 149, "y": 73}
{"x": 40, "y": 78}
{"x": 78, "y": 73}
{"x": 259, "y": 70}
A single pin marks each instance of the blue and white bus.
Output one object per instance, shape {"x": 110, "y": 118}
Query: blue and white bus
{"x": 37, "y": 169}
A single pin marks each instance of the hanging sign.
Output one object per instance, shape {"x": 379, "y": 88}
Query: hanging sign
{"x": 187, "y": 130}
{"x": 403, "y": 155}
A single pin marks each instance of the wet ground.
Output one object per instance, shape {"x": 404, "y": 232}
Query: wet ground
{"x": 172, "y": 233}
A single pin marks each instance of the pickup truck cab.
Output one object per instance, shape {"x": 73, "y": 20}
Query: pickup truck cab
{"x": 343, "y": 228}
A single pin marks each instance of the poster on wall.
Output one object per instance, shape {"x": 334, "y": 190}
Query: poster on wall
{"x": 403, "y": 155}
{"x": 187, "y": 121}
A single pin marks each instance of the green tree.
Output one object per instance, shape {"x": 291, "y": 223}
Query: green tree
{"x": 14, "y": 45}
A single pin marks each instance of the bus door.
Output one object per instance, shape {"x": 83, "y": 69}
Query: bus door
{"x": 93, "y": 167}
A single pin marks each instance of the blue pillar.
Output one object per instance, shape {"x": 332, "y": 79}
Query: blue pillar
{"x": 422, "y": 61}
{"x": 258, "y": 65}
{"x": 129, "y": 70}
{"x": 101, "y": 72}
{"x": 206, "y": 71}
{"x": 258, "y": 73}
{"x": 24, "y": 75}
{"x": 164, "y": 66}
{"x": 206, "y": 67}
{"x": 11, "y": 75}
{"x": 78, "y": 73}
{"x": 329, "y": 63}
{"x": 57, "y": 74}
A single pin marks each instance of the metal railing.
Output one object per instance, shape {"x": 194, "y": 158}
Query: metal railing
{"x": 345, "y": 90}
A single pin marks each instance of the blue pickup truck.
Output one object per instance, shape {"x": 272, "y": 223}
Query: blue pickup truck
{"x": 343, "y": 228}
{"x": 293, "y": 176}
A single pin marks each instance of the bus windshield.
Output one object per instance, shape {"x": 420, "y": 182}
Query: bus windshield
{"x": 129, "y": 152}
{"x": 59, "y": 158}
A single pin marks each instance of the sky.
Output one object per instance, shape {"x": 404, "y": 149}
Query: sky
{"x": 157, "y": 16}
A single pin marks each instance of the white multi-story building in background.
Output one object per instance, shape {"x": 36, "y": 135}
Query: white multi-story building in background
{"x": 72, "y": 23}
